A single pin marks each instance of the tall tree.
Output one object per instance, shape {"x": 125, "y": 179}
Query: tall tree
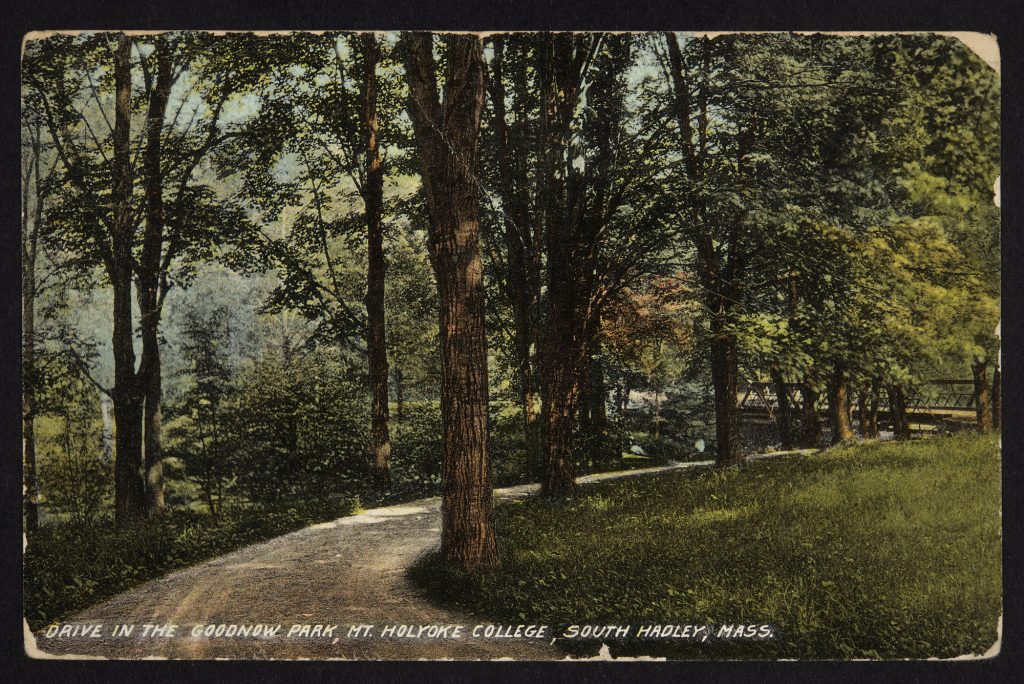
{"x": 508, "y": 79}
{"x": 447, "y": 136}
{"x": 78, "y": 81}
{"x": 373, "y": 198}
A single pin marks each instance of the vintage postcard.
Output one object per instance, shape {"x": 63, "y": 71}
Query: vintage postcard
{"x": 529, "y": 345}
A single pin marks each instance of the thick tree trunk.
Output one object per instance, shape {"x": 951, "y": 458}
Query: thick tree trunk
{"x": 810, "y": 426}
{"x": 724, "y": 378}
{"x": 898, "y": 412}
{"x": 129, "y": 485}
{"x": 784, "y": 413}
{"x": 373, "y": 197}
{"x": 982, "y": 395}
{"x": 447, "y": 133}
{"x": 564, "y": 345}
{"x": 839, "y": 407}
{"x": 560, "y": 399}
{"x": 997, "y": 398}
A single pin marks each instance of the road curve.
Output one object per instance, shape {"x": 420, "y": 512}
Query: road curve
{"x": 346, "y": 572}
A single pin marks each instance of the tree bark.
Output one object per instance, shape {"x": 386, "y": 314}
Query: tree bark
{"x": 839, "y": 407}
{"x": 810, "y": 426}
{"x": 784, "y": 414}
{"x": 373, "y": 197}
{"x": 129, "y": 484}
{"x": 724, "y": 377}
{"x": 564, "y": 344}
{"x": 447, "y": 136}
{"x": 982, "y": 395}
{"x": 898, "y": 411}
{"x": 150, "y": 293}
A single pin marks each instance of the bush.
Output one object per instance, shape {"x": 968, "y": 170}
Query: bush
{"x": 416, "y": 451}
{"x": 74, "y": 475}
{"x": 297, "y": 430}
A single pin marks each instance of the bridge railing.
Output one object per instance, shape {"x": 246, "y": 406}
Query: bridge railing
{"x": 930, "y": 396}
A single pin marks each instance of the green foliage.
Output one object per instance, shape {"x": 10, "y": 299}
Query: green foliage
{"x": 296, "y": 429}
{"x": 75, "y": 477}
{"x": 876, "y": 551}
{"x": 416, "y": 452}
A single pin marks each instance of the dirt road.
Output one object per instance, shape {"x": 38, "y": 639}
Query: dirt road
{"x": 347, "y": 572}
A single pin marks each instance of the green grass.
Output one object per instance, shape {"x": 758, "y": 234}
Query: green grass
{"x": 68, "y": 568}
{"x": 871, "y": 551}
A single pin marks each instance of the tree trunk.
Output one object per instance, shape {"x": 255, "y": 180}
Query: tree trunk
{"x": 30, "y": 243}
{"x": 560, "y": 398}
{"x": 129, "y": 485}
{"x": 724, "y": 376}
{"x": 152, "y": 425}
{"x": 839, "y": 408}
{"x": 982, "y": 395}
{"x": 519, "y": 283}
{"x": 447, "y": 134}
{"x": 862, "y": 413}
{"x": 721, "y": 278}
{"x": 898, "y": 411}
{"x": 784, "y": 414}
{"x": 373, "y": 197}
{"x": 150, "y": 268}
{"x": 810, "y": 426}
{"x": 997, "y": 398}
{"x": 570, "y": 240}
{"x": 876, "y": 395}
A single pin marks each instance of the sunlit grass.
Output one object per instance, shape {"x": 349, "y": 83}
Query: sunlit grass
{"x": 878, "y": 550}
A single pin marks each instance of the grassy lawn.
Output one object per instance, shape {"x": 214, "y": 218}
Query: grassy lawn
{"x": 870, "y": 551}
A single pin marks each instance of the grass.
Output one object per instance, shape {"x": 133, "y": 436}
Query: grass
{"x": 883, "y": 550}
{"x": 68, "y": 568}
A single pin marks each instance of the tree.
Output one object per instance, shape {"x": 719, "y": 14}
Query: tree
{"x": 447, "y": 136}
{"x": 76, "y": 81}
{"x": 327, "y": 120}
{"x": 582, "y": 205}
{"x": 520, "y": 271}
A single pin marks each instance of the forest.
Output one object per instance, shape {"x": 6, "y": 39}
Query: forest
{"x": 269, "y": 280}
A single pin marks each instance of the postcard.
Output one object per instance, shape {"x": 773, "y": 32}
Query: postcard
{"x": 521, "y": 346}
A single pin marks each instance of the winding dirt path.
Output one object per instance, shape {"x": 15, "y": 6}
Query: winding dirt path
{"x": 350, "y": 571}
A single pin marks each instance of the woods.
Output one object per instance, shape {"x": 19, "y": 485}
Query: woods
{"x": 346, "y": 268}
